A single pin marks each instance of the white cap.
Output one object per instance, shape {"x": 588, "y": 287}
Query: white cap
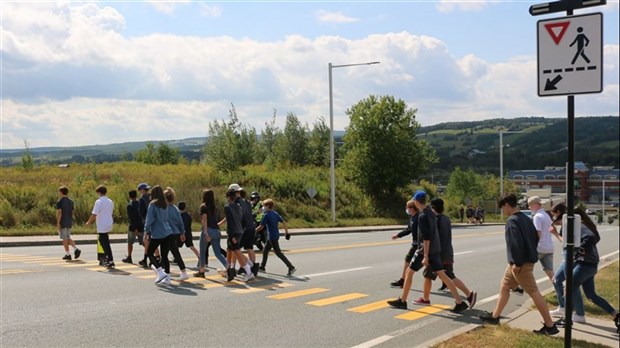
{"x": 235, "y": 187}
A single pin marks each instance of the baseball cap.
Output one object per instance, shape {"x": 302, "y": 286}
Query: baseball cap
{"x": 418, "y": 195}
{"x": 143, "y": 186}
{"x": 533, "y": 199}
{"x": 234, "y": 187}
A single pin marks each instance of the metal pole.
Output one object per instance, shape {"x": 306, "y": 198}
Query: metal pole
{"x": 570, "y": 241}
{"x": 603, "y": 208}
{"x": 332, "y": 166}
{"x": 501, "y": 171}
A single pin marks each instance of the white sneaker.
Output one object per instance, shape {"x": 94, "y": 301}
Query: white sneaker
{"x": 183, "y": 276}
{"x": 248, "y": 277}
{"x": 165, "y": 281}
{"x": 558, "y": 312}
{"x": 579, "y": 318}
{"x": 161, "y": 275}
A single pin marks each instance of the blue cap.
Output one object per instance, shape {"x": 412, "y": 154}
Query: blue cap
{"x": 143, "y": 186}
{"x": 418, "y": 195}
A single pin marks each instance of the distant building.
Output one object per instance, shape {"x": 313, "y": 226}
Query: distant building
{"x": 63, "y": 165}
{"x": 588, "y": 181}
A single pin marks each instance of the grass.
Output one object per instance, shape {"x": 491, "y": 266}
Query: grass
{"x": 606, "y": 283}
{"x": 506, "y": 337}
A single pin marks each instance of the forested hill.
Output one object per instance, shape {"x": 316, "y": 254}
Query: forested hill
{"x": 542, "y": 142}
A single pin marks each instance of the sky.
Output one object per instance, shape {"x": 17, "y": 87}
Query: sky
{"x": 99, "y": 72}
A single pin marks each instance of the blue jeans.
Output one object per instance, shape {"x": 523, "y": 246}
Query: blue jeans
{"x": 216, "y": 236}
{"x": 203, "y": 249}
{"x": 583, "y": 275}
{"x": 558, "y": 283}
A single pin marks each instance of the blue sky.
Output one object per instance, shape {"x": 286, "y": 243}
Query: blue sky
{"x": 98, "y": 72}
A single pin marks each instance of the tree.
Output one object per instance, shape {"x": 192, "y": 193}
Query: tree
{"x": 27, "y": 161}
{"x": 167, "y": 155}
{"x": 146, "y": 155}
{"x": 465, "y": 185}
{"x": 318, "y": 144}
{"x": 382, "y": 153}
{"x": 292, "y": 145}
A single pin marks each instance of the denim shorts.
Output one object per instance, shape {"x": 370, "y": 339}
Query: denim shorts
{"x": 546, "y": 260}
{"x": 65, "y": 233}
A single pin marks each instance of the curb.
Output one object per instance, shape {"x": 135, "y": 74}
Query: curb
{"x": 525, "y": 308}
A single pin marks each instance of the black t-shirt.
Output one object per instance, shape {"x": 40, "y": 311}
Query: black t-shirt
{"x": 234, "y": 214}
{"x": 66, "y": 212}
{"x": 247, "y": 220}
{"x": 212, "y": 219}
{"x": 144, "y": 205}
{"x": 133, "y": 213}
{"x": 427, "y": 230}
{"x": 187, "y": 222}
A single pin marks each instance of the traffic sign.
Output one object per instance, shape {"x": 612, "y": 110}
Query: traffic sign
{"x": 570, "y": 55}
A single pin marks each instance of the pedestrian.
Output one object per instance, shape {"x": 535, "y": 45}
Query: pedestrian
{"x": 136, "y": 226}
{"x": 249, "y": 228}
{"x": 543, "y": 223}
{"x": 64, "y": 222}
{"x": 234, "y": 230}
{"x": 103, "y": 215}
{"x": 461, "y": 213}
{"x": 521, "y": 242}
{"x": 157, "y": 231}
{"x": 469, "y": 213}
{"x": 257, "y": 213}
{"x": 187, "y": 224}
{"x": 210, "y": 234}
{"x": 145, "y": 199}
{"x": 271, "y": 220}
{"x": 427, "y": 255}
{"x": 559, "y": 277}
{"x": 412, "y": 229}
{"x": 444, "y": 228}
{"x": 585, "y": 268}
{"x": 178, "y": 234}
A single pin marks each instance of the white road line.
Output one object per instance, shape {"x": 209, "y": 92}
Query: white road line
{"x": 610, "y": 254}
{"x": 464, "y": 252}
{"x": 374, "y": 342}
{"x": 336, "y": 272}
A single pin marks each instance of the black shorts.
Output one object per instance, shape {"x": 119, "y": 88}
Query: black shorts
{"x": 449, "y": 269}
{"x": 434, "y": 262}
{"x": 188, "y": 240}
{"x": 410, "y": 254}
{"x": 232, "y": 246}
{"x": 247, "y": 240}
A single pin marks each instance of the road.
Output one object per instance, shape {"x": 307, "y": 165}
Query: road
{"x": 330, "y": 301}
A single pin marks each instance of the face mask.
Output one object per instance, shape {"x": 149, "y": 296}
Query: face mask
{"x": 407, "y": 211}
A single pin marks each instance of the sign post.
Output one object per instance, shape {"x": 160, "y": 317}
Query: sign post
{"x": 570, "y": 61}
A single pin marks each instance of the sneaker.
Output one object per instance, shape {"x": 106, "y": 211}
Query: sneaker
{"x": 291, "y": 271}
{"x": 560, "y": 322}
{"x": 579, "y": 318}
{"x": 398, "y": 303}
{"x": 255, "y": 269}
{"x": 248, "y": 277}
{"x": 67, "y": 257}
{"x": 183, "y": 276}
{"x": 199, "y": 274}
{"x": 443, "y": 287}
{"x": 397, "y": 283}
{"x": 166, "y": 280}
{"x": 262, "y": 268}
{"x": 143, "y": 263}
{"x": 459, "y": 307}
{"x": 558, "y": 312}
{"x": 517, "y": 291}
{"x": 547, "y": 330}
{"x": 230, "y": 272}
{"x": 422, "y": 301}
{"x": 160, "y": 276}
{"x": 473, "y": 296}
{"x": 241, "y": 270}
{"x": 110, "y": 265}
{"x": 487, "y": 317}
{"x": 77, "y": 253}
{"x": 128, "y": 260}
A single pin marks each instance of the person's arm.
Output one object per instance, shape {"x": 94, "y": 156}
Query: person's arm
{"x": 554, "y": 232}
{"x": 90, "y": 219}
{"x": 286, "y": 234}
{"x": 58, "y": 215}
{"x": 515, "y": 243}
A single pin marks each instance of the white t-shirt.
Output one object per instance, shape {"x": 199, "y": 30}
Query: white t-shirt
{"x": 104, "y": 207}
{"x": 542, "y": 222}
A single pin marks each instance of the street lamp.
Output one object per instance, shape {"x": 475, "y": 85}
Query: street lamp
{"x": 501, "y": 165}
{"x": 332, "y": 166}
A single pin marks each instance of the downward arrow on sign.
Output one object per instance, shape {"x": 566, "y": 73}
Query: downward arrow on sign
{"x": 550, "y": 85}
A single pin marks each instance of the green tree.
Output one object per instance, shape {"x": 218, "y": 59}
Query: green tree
{"x": 465, "y": 185}
{"x": 318, "y": 144}
{"x": 27, "y": 161}
{"x": 147, "y": 155}
{"x": 382, "y": 153}
{"x": 167, "y": 155}
{"x": 292, "y": 145}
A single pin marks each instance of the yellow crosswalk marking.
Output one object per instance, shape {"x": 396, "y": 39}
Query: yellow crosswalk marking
{"x": 297, "y": 293}
{"x": 261, "y": 288}
{"x": 371, "y": 306}
{"x": 81, "y": 263}
{"x": 422, "y": 312}
{"x": 14, "y": 271}
{"x": 336, "y": 299}
{"x": 32, "y": 259}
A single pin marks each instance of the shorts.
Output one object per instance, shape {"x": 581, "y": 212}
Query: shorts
{"x": 410, "y": 254}
{"x": 132, "y": 236}
{"x": 188, "y": 240}
{"x": 247, "y": 240}
{"x": 449, "y": 269}
{"x": 434, "y": 262}
{"x": 546, "y": 260}
{"x": 232, "y": 246}
{"x": 525, "y": 278}
{"x": 65, "y": 233}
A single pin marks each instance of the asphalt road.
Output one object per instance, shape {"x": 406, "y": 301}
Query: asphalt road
{"x": 47, "y": 302}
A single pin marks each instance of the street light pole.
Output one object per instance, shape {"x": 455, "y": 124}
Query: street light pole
{"x": 332, "y": 164}
{"x": 501, "y": 166}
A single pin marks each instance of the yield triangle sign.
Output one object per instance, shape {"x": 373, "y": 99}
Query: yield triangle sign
{"x": 557, "y": 30}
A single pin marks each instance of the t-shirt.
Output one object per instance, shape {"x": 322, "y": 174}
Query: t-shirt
{"x": 270, "y": 220}
{"x": 427, "y": 230}
{"x": 247, "y": 220}
{"x": 212, "y": 218}
{"x": 135, "y": 220}
{"x": 444, "y": 228}
{"x": 233, "y": 214}
{"x": 144, "y": 204}
{"x": 542, "y": 222}
{"x": 187, "y": 222}
{"x": 66, "y": 212}
{"x": 521, "y": 240}
{"x": 104, "y": 208}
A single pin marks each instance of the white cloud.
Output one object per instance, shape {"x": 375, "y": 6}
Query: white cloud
{"x": 210, "y": 11}
{"x": 334, "y": 17}
{"x": 445, "y": 6}
{"x": 166, "y": 6}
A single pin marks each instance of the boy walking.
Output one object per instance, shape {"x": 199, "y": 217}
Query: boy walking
{"x": 64, "y": 222}
{"x": 136, "y": 226}
{"x": 412, "y": 228}
{"x": 270, "y": 220}
{"x": 234, "y": 230}
{"x": 102, "y": 214}
{"x": 187, "y": 225}
{"x": 542, "y": 222}
{"x": 521, "y": 242}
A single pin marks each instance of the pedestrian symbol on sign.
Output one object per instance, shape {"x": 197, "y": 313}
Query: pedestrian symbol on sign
{"x": 582, "y": 41}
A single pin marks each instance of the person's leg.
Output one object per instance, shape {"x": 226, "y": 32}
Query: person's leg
{"x": 266, "y": 251}
{"x": 407, "y": 285}
{"x": 453, "y": 290}
{"x": 526, "y": 279}
{"x": 215, "y": 244}
{"x": 508, "y": 282}
{"x": 581, "y": 273}
{"x": 590, "y": 291}
{"x": 558, "y": 284}
{"x": 104, "y": 239}
{"x": 426, "y": 295}
{"x": 165, "y": 249}
{"x": 546, "y": 260}
{"x": 276, "y": 249}
{"x": 202, "y": 244}
{"x": 174, "y": 249}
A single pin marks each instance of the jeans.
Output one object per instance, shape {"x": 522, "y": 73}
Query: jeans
{"x": 215, "y": 236}
{"x": 202, "y": 246}
{"x": 583, "y": 274}
{"x": 558, "y": 283}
